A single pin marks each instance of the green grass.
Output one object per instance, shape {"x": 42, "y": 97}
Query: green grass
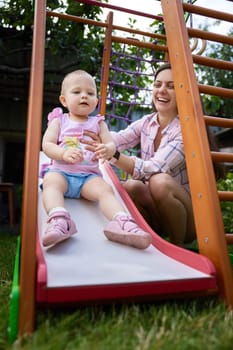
{"x": 196, "y": 324}
{"x": 7, "y": 256}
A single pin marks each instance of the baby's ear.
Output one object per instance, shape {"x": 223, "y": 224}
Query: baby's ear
{"x": 62, "y": 100}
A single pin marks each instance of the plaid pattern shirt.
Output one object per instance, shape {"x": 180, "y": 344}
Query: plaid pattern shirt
{"x": 168, "y": 158}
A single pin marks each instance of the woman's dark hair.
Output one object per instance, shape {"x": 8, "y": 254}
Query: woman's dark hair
{"x": 161, "y": 68}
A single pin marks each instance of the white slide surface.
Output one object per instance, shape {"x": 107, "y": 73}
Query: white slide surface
{"x": 88, "y": 258}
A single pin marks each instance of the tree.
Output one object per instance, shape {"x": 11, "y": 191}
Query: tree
{"x": 68, "y": 45}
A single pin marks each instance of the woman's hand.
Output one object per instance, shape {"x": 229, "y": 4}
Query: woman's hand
{"x": 102, "y": 151}
{"x": 90, "y": 144}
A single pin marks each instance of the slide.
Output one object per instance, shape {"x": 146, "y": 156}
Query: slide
{"x": 90, "y": 268}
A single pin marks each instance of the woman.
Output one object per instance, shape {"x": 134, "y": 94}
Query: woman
{"x": 159, "y": 185}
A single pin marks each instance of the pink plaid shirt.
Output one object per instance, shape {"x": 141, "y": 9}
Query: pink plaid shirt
{"x": 168, "y": 158}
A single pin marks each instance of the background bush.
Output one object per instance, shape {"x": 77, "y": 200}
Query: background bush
{"x": 226, "y": 184}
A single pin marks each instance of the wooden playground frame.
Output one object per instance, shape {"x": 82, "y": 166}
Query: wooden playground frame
{"x": 211, "y": 237}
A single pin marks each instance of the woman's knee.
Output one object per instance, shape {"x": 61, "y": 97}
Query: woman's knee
{"x": 140, "y": 194}
{"x": 134, "y": 188}
{"x": 160, "y": 186}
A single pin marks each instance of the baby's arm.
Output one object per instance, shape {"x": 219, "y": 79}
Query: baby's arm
{"x": 106, "y": 149}
{"x": 53, "y": 151}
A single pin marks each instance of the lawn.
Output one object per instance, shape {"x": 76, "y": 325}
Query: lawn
{"x": 196, "y": 324}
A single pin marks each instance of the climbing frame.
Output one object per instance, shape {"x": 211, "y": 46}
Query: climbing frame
{"x": 211, "y": 237}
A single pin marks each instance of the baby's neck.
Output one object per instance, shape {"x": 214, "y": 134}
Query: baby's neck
{"x": 78, "y": 118}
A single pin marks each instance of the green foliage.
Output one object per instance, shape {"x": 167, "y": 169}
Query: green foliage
{"x": 20, "y": 14}
{"x": 227, "y": 206}
{"x": 16, "y": 14}
{"x": 69, "y": 45}
{"x": 216, "y": 105}
{"x": 7, "y": 255}
{"x": 74, "y": 45}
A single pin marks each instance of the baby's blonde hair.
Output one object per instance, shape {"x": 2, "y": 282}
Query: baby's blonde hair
{"x": 78, "y": 72}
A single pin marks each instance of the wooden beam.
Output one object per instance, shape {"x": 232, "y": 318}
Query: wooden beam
{"x": 206, "y": 205}
{"x": 30, "y": 185}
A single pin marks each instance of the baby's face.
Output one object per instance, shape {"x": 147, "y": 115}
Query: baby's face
{"x": 79, "y": 95}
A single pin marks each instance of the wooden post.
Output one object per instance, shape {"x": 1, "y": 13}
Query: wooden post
{"x": 30, "y": 186}
{"x": 105, "y": 64}
{"x": 208, "y": 218}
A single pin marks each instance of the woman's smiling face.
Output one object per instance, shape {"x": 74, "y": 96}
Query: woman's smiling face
{"x": 164, "y": 97}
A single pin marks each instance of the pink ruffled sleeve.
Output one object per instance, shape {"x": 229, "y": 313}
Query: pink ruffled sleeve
{"x": 56, "y": 113}
{"x": 100, "y": 118}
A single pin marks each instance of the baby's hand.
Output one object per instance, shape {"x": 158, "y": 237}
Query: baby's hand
{"x": 73, "y": 155}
